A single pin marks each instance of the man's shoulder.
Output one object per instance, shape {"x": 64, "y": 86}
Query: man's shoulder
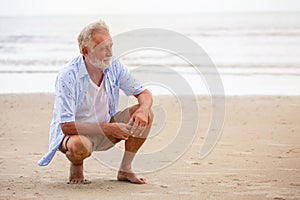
{"x": 116, "y": 65}
{"x": 72, "y": 69}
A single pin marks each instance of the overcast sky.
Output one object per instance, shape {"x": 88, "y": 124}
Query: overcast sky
{"x": 90, "y": 7}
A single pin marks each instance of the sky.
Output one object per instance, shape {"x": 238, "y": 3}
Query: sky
{"x": 91, "y": 7}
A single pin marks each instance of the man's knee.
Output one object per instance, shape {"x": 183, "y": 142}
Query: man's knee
{"x": 133, "y": 108}
{"x": 80, "y": 147}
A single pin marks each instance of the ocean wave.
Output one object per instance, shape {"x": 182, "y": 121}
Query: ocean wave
{"x": 32, "y": 62}
{"x": 32, "y": 39}
{"x": 25, "y": 64}
{"x": 23, "y": 38}
{"x": 174, "y": 70}
{"x": 283, "y": 32}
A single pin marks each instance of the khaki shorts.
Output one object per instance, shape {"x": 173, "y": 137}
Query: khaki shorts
{"x": 101, "y": 142}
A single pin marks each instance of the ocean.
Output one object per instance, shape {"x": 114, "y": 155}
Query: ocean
{"x": 253, "y": 53}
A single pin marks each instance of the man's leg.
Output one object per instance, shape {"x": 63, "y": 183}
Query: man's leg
{"x": 132, "y": 145}
{"x": 77, "y": 149}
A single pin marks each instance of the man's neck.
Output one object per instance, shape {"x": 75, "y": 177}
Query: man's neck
{"x": 96, "y": 75}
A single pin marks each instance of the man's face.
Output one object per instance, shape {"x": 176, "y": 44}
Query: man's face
{"x": 100, "y": 53}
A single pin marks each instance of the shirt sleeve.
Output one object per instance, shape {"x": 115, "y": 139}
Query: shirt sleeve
{"x": 128, "y": 83}
{"x": 65, "y": 97}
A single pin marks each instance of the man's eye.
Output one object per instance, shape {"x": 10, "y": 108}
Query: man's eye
{"x": 101, "y": 49}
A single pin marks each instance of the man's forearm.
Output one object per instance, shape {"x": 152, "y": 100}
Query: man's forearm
{"x": 82, "y": 128}
{"x": 116, "y": 130}
{"x": 145, "y": 99}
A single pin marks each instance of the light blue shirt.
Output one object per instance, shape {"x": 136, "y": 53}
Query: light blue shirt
{"x": 70, "y": 89}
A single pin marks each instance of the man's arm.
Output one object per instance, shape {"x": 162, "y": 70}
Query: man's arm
{"x": 140, "y": 118}
{"x": 145, "y": 99}
{"x": 117, "y": 130}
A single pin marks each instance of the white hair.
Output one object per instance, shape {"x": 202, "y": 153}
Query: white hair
{"x": 85, "y": 37}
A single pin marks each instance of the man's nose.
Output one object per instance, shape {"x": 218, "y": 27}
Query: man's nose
{"x": 108, "y": 52}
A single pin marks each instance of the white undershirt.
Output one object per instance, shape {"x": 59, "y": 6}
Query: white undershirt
{"x": 94, "y": 108}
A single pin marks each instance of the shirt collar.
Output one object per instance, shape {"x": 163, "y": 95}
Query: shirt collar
{"x": 82, "y": 68}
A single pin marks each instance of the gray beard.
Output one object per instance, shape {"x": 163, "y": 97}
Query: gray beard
{"x": 100, "y": 64}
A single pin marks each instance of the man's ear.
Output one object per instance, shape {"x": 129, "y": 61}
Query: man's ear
{"x": 85, "y": 51}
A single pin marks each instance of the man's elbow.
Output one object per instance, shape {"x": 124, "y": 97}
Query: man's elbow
{"x": 149, "y": 95}
{"x": 145, "y": 93}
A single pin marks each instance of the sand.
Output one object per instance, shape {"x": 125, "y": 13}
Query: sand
{"x": 257, "y": 156}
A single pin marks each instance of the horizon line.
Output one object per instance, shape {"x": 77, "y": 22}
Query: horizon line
{"x": 157, "y": 13}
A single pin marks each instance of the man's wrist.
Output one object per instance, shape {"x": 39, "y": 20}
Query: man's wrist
{"x": 105, "y": 128}
{"x": 144, "y": 107}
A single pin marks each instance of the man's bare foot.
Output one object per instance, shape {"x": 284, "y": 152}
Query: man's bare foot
{"x": 130, "y": 177}
{"x": 76, "y": 175}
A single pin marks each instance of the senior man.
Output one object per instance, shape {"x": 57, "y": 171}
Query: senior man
{"x": 85, "y": 109}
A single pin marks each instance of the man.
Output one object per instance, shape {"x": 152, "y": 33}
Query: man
{"x": 86, "y": 100}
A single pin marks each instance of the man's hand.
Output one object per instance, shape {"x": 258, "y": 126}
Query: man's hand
{"x": 139, "y": 120}
{"x": 119, "y": 130}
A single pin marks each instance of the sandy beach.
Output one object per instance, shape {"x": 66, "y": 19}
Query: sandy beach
{"x": 257, "y": 156}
